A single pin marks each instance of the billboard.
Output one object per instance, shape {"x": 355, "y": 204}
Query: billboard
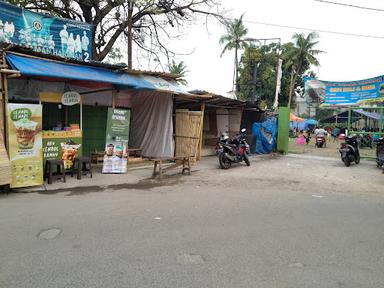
{"x": 45, "y": 34}
{"x": 345, "y": 93}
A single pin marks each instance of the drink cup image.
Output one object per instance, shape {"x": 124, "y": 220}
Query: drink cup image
{"x": 69, "y": 152}
{"x": 25, "y": 133}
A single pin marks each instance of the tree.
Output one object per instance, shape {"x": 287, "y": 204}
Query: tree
{"x": 180, "y": 70}
{"x": 300, "y": 57}
{"x": 234, "y": 39}
{"x": 153, "y": 21}
{"x": 262, "y": 61}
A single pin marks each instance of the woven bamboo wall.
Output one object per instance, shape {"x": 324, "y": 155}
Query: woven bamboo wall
{"x": 188, "y": 126}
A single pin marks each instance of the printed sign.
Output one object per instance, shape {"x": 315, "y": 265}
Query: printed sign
{"x": 70, "y": 98}
{"x": 25, "y": 144}
{"x": 62, "y": 145}
{"x": 45, "y": 34}
{"x": 116, "y": 148}
{"x": 345, "y": 93}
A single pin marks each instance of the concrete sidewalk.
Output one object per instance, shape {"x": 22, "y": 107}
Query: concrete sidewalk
{"x": 138, "y": 176}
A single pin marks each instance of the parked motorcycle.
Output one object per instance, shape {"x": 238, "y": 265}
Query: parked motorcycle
{"x": 349, "y": 151}
{"x": 380, "y": 152}
{"x": 233, "y": 150}
{"x": 320, "y": 141}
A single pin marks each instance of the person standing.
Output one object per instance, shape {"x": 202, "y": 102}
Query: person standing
{"x": 64, "y": 40}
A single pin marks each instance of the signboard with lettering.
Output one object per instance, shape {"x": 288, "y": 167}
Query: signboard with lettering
{"x": 62, "y": 145}
{"x": 70, "y": 98}
{"x": 45, "y": 34}
{"x": 25, "y": 144}
{"x": 116, "y": 148}
{"x": 345, "y": 93}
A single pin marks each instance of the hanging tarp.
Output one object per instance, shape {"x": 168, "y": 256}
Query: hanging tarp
{"x": 265, "y": 134}
{"x": 294, "y": 118}
{"x": 152, "y": 127}
{"x": 47, "y": 68}
{"x": 55, "y": 69}
{"x": 44, "y": 33}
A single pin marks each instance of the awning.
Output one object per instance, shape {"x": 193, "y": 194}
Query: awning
{"x": 294, "y": 118}
{"x": 47, "y": 68}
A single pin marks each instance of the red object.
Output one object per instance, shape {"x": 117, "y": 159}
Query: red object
{"x": 342, "y": 136}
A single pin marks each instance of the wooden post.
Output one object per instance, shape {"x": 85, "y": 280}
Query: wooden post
{"x": 201, "y": 130}
{"x": 4, "y": 101}
{"x": 113, "y": 99}
{"x": 81, "y": 112}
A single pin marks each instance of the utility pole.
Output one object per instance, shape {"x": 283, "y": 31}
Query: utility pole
{"x": 130, "y": 10}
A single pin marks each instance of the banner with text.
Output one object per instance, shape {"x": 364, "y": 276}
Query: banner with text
{"x": 25, "y": 144}
{"x": 45, "y": 34}
{"x": 116, "y": 145}
{"x": 62, "y": 145}
{"x": 345, "y": 93}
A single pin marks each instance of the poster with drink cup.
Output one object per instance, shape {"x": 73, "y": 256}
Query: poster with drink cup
{"x": 116, "y": 148}
{"x": 25, "y": 144}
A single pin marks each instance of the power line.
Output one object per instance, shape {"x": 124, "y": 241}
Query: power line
{"x": 351, "y": 5}
{"x": 316, "y": 30}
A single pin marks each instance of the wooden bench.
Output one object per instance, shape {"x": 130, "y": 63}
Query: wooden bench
{"x": 159, "y": 169}
{"x": 136, "y": 152}
{"x": 97, "y": 157}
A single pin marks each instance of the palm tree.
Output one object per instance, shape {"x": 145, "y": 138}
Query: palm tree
{"x": 300, "y": 56}
{"x": 234, "y": 39}
{"x": 180, "y": 70}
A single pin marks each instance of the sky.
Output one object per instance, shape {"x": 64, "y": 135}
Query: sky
{"x": 346, "y": 58}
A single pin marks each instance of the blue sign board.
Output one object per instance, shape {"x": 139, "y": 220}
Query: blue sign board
{"x": 45, "y": 34}
{"x": 346, "y": 93}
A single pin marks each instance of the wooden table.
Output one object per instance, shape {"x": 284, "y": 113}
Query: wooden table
{"x": 159, "y": 170}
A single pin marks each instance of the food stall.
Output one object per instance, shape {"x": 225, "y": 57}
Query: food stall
{"x": 62, "y": 139}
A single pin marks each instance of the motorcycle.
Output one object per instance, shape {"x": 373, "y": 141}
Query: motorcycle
{"x": 349, "y": 151}
{"x": 380, "y": 151}
{"x": 320, "y": 141}
{"x": 233, "y": 150}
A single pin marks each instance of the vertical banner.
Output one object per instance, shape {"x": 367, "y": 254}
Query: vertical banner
{"x": 25, "y": 144}
{"x": 116, "y": 145}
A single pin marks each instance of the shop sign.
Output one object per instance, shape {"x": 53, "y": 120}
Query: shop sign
{"x": 70, "y": 98}
{"x": 45, "y": 34}
{"x": 25, "y": 144}
{"x": 62, "y": 145}
{"x": 116, "y": 148}
{"x": 345, "y": 93}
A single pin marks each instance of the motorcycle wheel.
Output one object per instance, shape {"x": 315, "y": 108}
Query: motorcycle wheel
{"x": 224, "y": 162}
{"x": 357, "y": 159}
{"x": 346, "y": 161}
{"x": 246, "y": 159}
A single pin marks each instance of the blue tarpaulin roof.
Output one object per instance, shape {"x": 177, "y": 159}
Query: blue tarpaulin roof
{"x": 37, "y": 67}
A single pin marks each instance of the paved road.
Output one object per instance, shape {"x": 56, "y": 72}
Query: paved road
{"x": 284, "y": 222}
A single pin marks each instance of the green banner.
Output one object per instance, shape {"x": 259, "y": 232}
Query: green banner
{"x": 116, "y": 147}
{"x": 62, "y": 145}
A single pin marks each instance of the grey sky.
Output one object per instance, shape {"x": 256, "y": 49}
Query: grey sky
{"x": 346, "y": 58}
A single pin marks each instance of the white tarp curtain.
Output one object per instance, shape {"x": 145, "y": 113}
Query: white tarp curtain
{"x": 152, "y": 126}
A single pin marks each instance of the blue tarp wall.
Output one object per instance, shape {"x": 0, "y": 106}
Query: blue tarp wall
{"x": 302, "y": 125}
{"x": 265, "y": 134}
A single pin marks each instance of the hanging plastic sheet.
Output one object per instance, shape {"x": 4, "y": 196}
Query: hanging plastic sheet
{"x": 265, "y": 134}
